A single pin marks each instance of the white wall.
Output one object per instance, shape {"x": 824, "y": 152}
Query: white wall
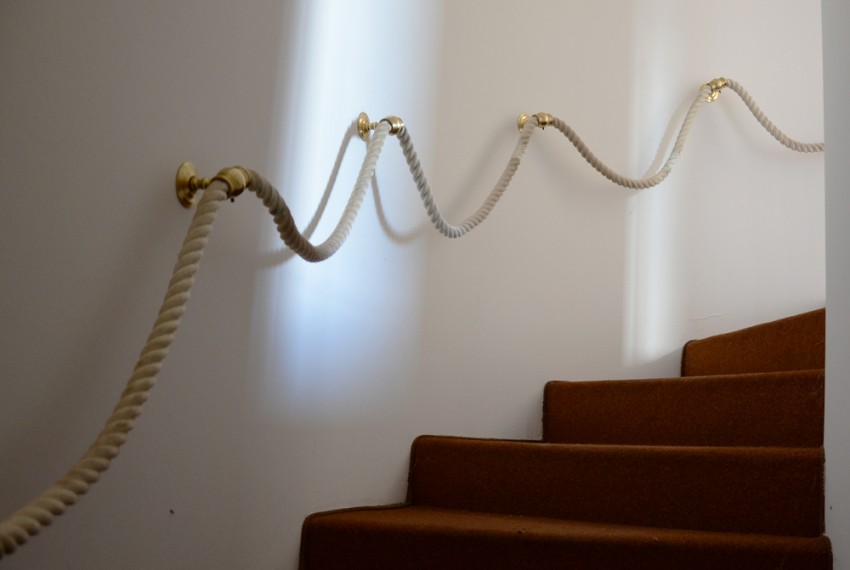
{"x": 295, "y": 387}
{"x": 836, "y": 61}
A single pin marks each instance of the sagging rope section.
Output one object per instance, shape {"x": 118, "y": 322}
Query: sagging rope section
{"x": 54, "y": 501}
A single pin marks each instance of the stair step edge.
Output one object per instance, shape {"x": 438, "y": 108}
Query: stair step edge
{"x": 425, "y": 537}
{"x": 759, "y": 490}
{"x": 783, "y": 409}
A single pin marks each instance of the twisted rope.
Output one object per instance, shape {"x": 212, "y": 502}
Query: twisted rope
{"x": 774, "y": 131}
{"x": 286, "y": 226}
{"x": 703, "y": 96}
{"x": 442, "y": 225}
{"x": 639, "y": 183}
{"x": 40, "y": 512}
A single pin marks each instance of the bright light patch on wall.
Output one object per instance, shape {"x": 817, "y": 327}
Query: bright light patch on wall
{"x": 650, "y": 274}
{"x": 337, "y": 338}
{"x": 720, "y": 244}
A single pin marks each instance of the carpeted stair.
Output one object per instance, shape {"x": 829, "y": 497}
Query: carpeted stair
{"x": 719, "y": 469}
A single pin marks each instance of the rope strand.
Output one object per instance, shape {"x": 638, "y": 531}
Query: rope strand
{"x": 40, "y": 512}
{"x": 649, "y": 181}
{"x": 442, "y": 225}
{"x": 774, "y": 131}
{"x": 286, "y": 226}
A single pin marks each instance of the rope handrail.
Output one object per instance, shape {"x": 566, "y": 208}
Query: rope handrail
{"x": 228, "y": 183}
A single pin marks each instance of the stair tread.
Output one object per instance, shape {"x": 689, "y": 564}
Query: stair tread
{"x": 791, "y": 343}
{"x": 436, "y": 519}
{"x": 760, "y": 489}
{"x": 720, "y": 469}
{"x": 433, "y": 530}
{"x": 628, "y": 448}
{"x": 756, "y": 409}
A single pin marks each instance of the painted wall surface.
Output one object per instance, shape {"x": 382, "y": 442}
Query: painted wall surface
{"x": 295, "y": 387}
{"x": 836, "y": 60}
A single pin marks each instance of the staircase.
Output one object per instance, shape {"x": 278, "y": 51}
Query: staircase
{"x": 719, "y": 469}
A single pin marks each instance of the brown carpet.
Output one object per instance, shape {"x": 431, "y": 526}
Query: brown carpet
{"x": 721, "y": 469}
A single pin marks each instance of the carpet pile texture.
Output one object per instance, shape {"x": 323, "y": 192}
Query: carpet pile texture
{"x": 719, "y": 469}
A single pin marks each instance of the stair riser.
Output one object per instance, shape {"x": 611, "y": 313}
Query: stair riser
{"x": 373, "y": 541}
{"x": 356, "y": 551}
{"x": 781, "y": 409}
{"x": 792, "y": 343}
{"x": 749, "y": 490}
{"x": 700, "y": 473}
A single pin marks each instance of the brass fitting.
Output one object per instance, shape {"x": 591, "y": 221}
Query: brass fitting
{"x": 364, "y": 126}
{"x": 543, "y": 120}
{"x": 187, "y": 182}
{"x": 715, "y": 85}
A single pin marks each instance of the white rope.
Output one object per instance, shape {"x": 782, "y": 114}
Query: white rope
{"x": 442, "y": 225}
{"x": 51, "y": 503}
{"x": 768, "y": 125}
{"x": 704, "y": 96}
{"x": 286, "y": 226}
{"x": 40, "y": 512}
{"x": 454, "y": 231}
{"x": 639, "y": 183}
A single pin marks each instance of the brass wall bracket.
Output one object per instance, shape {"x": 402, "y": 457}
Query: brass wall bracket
{"x": 364, "y": 127}
{"x": 715, "y": 85}
{"x": 543, "y": 120}
{"x": 187, "y": 182}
